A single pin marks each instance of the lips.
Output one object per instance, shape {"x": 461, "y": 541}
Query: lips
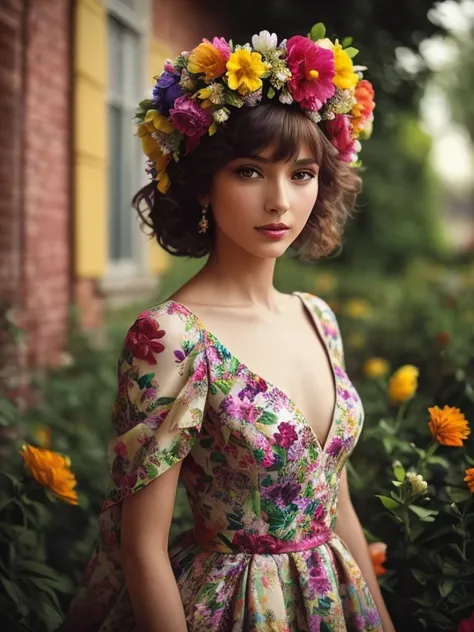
{"x": 273, "y": 227}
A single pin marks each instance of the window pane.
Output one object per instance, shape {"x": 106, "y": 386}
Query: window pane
{"x": 129, "y": 3}
{"x": 114, "y": 183}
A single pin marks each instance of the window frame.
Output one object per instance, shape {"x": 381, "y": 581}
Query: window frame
{"x": 135, "y": 267}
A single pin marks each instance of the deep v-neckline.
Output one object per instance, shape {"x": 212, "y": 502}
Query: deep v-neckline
{"x": 288, "y": 399}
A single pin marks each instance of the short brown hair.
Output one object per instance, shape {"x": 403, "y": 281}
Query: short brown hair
{"x": 173, "y": 218}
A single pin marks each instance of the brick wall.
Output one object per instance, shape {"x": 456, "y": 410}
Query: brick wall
{"x": 47, "y": 253}
{"x": 11, "y": 62}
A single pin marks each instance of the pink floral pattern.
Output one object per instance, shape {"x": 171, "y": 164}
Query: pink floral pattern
{"x": 263, "y": 554}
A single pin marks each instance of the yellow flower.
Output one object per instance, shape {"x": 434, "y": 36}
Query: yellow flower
{"x": 208, "y": 60}
{"x": 355, "y": 340}
{"x": 470, "y": 479}
{"x": 150, "y": 146}
{"x": 159, "y": 122}
{"x": 52, "y": 470}
{"x": 376, "y": 367}
{"x": 325, "y": 282}
{"x": 43, "y": 436}
{"x": 163, "y": 180}
{"x": 346, "y": 78}
{"x": 358, "y": 308}
{"x": 448, "y": 426}
{"x": 403, "y": 384}
{"x": 244, "y": 70}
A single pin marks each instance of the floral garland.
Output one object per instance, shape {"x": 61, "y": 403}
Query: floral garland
{"x": 195, "y": 94}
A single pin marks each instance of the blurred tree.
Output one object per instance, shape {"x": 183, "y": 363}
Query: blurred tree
{"x": 458, "y": 82}
{"x": 399, "y": 206}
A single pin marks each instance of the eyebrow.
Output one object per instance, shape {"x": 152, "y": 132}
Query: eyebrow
{"x": 265, "y": 161}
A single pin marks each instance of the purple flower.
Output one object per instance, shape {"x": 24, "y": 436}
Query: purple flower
{"x": 314, "y": 622}
{"x": 284, "y": 494}
{"x": 318, "y": 580}
{"x": 191, "y": 120}
{"x": 287, "y": 435}
{"x": 358, "y": 622}
{"x": 372, "y": 617}
{"x": 166, "y": 91}
{"x": 253, "y": 387}
{"x": 335, "y": 446}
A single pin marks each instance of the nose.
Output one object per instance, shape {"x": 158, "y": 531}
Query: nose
{"x": 277, "y": 198}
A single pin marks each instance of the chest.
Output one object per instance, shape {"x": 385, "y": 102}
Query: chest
{"x": 291, "y": 356}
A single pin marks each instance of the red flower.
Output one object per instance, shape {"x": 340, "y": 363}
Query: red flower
{"x": 467, "y": 625}
{"x": 312, "y": 72}
{"x": 142, "y": 339}
{"x": 339, "y": 133}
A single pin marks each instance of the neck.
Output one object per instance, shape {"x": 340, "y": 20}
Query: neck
{"x": 240, "y": 278}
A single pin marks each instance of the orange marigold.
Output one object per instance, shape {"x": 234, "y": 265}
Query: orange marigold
{"x": 378, "y": 553}
{"x": 448, "y": 426}
{"x": 470, "y": 479}
{"x": 52, "y": 470}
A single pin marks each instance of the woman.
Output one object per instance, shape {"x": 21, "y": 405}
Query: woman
{"x": 236, "y": 387}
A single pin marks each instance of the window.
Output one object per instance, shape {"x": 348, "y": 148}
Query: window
{"x": 125, "y": 89}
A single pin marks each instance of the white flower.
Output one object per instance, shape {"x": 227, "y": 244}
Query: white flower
{"x": 221, "y": 115}
{"x": 264, "y": 42}
{"x": 285, "y": 97}
{"x": 418, "y": 485}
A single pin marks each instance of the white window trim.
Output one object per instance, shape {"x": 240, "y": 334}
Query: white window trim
{"x": 122, "y": 275}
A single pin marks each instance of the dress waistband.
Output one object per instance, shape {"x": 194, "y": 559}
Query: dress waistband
{"x": 243, "y": 542}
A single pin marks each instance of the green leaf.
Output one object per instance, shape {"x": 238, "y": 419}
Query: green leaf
{"x": 445, "y": 587}
{"x": 422, "y": 513}
{"x": 399, "y": 472}
{"x": 389, "y": 503}
{"x": 267, "y": 418}
{"x": 420, "y": 576}
{"x": 271, "y": 92}
{"x": 347, "y": 41}
{"x": 217, "y": 457}
{"x": 224, "y": 386}
{"x": 458, "y": 495}
{"x": 318, "y": 31}
{"x": 351, "y": 51}
{"x": 164, "y": 401}
{"x": 145, "y": 380}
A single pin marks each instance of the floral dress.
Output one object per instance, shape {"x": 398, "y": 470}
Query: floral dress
{"x": 263, "y": 555}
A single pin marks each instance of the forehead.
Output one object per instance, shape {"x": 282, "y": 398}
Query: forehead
{"x": 301, "y": 150}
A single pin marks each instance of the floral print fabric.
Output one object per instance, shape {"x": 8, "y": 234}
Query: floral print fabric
{"x": 263, "y": 554}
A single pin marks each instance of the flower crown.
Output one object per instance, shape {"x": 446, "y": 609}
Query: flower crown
{"x": 195, "y": 94}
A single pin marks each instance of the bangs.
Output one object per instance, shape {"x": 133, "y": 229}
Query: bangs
{"x": 282, "y": 127}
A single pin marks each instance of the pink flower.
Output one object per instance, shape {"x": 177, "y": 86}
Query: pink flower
{"x": 339, "y": 133}
{"x": 222, "y": 46}
{"x": 467, "y": 625}
{"x": 312, "y": 72}
{"x": 287, "y": 435}
{"x": 191, "y": 120}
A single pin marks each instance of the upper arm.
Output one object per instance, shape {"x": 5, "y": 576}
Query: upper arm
{"x": 158, "y": 412}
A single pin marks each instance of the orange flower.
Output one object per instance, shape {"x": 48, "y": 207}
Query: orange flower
{"x": 378, "y": 553}
{"x": 52, "y": 470}
{"x": 470, "y": 479}
{"x": 208, "y": 60}
{"x": 364, "y": 105}
{"x": 448, "y": 426}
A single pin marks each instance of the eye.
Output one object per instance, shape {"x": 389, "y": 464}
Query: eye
{"x": 303, "y": 176}
{"x": 249, "y": 173}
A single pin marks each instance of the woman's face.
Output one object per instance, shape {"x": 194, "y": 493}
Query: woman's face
{"x": 249, "y": 194}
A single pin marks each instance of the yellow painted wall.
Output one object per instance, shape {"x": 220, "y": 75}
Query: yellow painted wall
{"x": 158, "y": 53}
{"x": 90, "y": 150}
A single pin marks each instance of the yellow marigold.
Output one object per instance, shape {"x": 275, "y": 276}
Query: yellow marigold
{"x": 244, "y": 71}
{"x": 448, "y": 426}
{"x": 376, "y": 367}
{"x": 403, "y": 384}
{"x": 358, "y": 308}
{"x": 378, "y": 553}
{"x": 470, "y": 479}
{"x": 208, "y": 60}
{"x": 150, "y": 146}
{"x": 52, "y": 470}
{"x": 346, "y": 78}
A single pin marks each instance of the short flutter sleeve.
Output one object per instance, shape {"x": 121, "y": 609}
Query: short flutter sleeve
{"x": 162, "y": 392}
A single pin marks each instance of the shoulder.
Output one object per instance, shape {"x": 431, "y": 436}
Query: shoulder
{"x": 321, "y": 309}
{"x": 166, "y": 328}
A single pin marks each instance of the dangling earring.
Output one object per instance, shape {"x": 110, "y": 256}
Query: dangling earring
{"x": 203, "y": 222}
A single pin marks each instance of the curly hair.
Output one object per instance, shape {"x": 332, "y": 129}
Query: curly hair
{"x": 173, "y": 218}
